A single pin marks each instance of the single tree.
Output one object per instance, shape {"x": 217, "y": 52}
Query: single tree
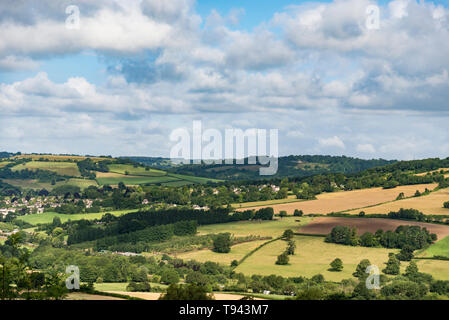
{"x": 337, "y": 265}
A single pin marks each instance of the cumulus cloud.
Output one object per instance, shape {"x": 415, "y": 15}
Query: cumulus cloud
{"x": 331, "y": 142}
{"x": 316, "y": 63}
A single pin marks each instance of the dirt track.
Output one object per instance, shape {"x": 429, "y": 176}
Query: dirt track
{"x": 324, "y": 225}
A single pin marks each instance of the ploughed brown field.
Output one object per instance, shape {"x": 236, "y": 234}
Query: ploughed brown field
{"x": 346, "y": 200}
{"x": 324, "y": 225}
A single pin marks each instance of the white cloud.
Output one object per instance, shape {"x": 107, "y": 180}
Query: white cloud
{"x": 366, "y": 148}
{"x": 331, "y": 142}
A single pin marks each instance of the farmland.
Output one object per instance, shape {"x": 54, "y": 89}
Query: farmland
{"x": 135, "y": 170}
{"x": 273, "y": 228}
{"x": 148, "y": 177}
{"x": 35, "y": 184}
{"x": 346, "y": 200}
{"x": 57, "y": 157}
{"x": 307, "y": 262}
{"x": 324, "y": 225}
{"x": 429, "y": 204}
{"x": 47, "y": 217}
{"x": 440, "y": 248}
{"x": 61, "y": 168}
{"x": 289, "y": 199}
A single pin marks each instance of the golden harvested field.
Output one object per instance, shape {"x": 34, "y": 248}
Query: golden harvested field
{"x": 312, "y": 256}
{"x": 439, "y": 269}
{"x": 438, "y": 170}
{"x": 86, "y": 296}
{"x": 324, "y": 225}
{"x": 109, "y": 175}
{"x": 156, "y": 295}
{"x": 430, "y": 204}
{"x": 346, "y": 200}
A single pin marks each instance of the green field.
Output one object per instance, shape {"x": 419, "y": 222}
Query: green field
{"x": 237, "y": 252}
{"x": 47, "y": 217}
{"x": 28, "y": 184}
{"x": 134, "y": 180}
{"x": 61, "y": 168}
{"x": 312, "y": 257}
{"x": 4, "y": 163}
{"x": 135, "y": 171}
{"x": 120, "y": 286}
{"x": 273, "y": 228}
{"x": 440, "y": 248}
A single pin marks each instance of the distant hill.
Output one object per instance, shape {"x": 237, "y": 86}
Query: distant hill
{"x": 156, "y": 162}
{"x": 298, "y": 166}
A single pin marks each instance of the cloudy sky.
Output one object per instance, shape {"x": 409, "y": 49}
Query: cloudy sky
{"x": 135, "y": 70}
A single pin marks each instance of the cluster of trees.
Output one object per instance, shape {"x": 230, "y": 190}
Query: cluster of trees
{"x": 109, "y": 225}
{"x": 18, "y": 279}
{"x": 222, "y": 243}
{"x": 151, "y": 234}
{"x": 299, "y": 166}
{"x": 283, "y": 258}
{"x": 87, "y": 167}
{"x": 411, "y": 237}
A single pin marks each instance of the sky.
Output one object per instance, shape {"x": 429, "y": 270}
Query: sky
{"x": 323, "y": 73}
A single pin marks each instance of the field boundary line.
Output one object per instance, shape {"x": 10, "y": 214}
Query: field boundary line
{"x": 256, "y": 249}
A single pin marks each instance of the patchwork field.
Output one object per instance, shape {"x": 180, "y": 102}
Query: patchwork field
{"x": 135, "y": 171}
{"x": 430, "y": 204}
{"x": 312, "y": 257}
{"x": 57, "y": 157}
{"x": 112, "y": 178}
{"x": 273, "y": 228}
{"x": 324, "y": 225}
{"x": 4, "y": 163}
{"x": 290, "y": 199}
{"x": 47, "y": 217}
{"x": 61, "y": 168}
{"x": 35, "y": 184}
{"x": 346, "y": 200}
{"x": 155, "y": 177}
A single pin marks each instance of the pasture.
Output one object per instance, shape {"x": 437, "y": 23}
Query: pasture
{"x": 347, "y": 200}
{"x": 439, "y": 269}
{"x": 238, "y": 251}
{"x": 312, "y": 256}
{"x": 429, "y": 204}
{"x": 28, "y": 184}
{"x": 135, "y": 171}
{"x": 61, "y": 168}
{"x": 324, "y": 225}
{"x": 440, "y": 248}
{"x": 273, "y": 228}
{"x": 47, "y": 217}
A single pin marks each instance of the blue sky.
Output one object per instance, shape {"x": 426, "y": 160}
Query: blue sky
{"x": 136, "y": 70}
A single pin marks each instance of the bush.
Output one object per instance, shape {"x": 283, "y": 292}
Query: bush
{"x": 298, "y": 213}
{"x": 283, "y": 259}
